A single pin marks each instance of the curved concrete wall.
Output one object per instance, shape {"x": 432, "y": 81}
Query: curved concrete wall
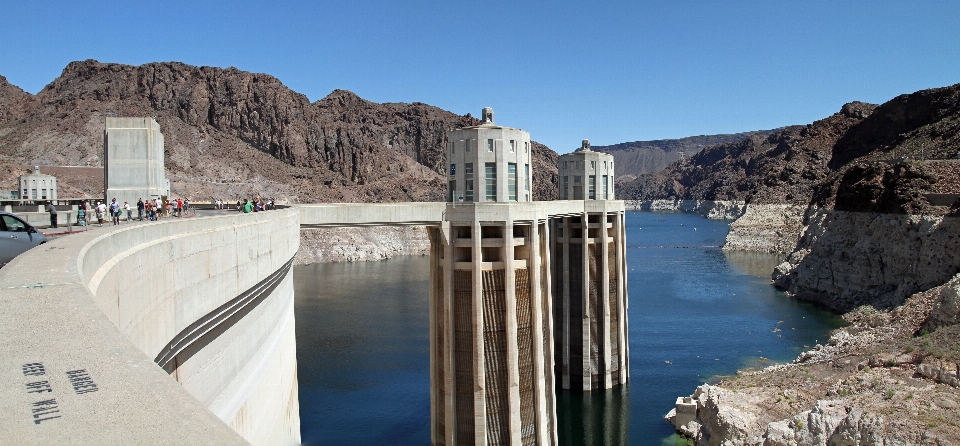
{"x": 209, "y": 299}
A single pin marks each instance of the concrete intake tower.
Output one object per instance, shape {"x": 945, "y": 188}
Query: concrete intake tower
{"x": 516, "y": 285}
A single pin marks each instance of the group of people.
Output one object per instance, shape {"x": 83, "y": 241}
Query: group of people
{"x": 255, "y": 205}
{"x": 159, "y": 208}
{"x": 151, "y": 209}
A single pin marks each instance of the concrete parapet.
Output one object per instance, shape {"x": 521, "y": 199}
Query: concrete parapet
{"x": 42, "y": 219}
{"x": 369, "y": 214}
{"x": 431, "y": 213}
{"x": 209, "y": 298}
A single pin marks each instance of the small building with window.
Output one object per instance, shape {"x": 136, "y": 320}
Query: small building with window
{"x": 585, "y": 175}
{"x": 488, "y": 163}
{"x": 37, "y": 186}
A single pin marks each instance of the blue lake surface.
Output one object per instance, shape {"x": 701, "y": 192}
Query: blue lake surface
{"x": 696, "y": 313}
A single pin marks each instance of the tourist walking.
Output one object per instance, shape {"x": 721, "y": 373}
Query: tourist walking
{"x": 115, "y": 211}
{"x": 140, "y": 209}
{"x": 126, "y": 206}
{"x": 158, "y": 208}
{"x": 101, "y": 209}
{"x": 83, "y": 210}
{"x": 53, "y": 214}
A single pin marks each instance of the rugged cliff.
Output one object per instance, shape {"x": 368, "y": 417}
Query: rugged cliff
{"x": 782, "y": 167}
{"x": 230, "y": 133}
{"x": 361, "y": 244}
{"x": 639, "y": 157}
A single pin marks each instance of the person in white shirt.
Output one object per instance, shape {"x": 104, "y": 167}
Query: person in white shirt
{"x": 126, "y": 206}
{"x": 101, "y": 209}
{"x": 159, "y": 207}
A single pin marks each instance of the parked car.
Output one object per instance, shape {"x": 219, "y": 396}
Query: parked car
{"x": 16, "y": 236}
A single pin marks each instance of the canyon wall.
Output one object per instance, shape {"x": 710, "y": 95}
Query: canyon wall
{"x": 772, "y": 228}
{"x": 233, "y": 134}
{"x": 847, "y": 259}
{"x": 713, "y": 209}
{"x": 363, "y": 244}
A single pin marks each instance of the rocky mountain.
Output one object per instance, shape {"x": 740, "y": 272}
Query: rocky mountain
{"x": 804, "y": 164}
{"x": 230, "y": 133}
{"x": 639, "y": 157}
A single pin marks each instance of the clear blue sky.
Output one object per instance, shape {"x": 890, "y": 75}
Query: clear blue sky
{"x": 607, "y": 71}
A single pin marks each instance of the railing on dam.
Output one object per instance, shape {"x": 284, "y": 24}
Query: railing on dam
{"x": 87, "y": 318}
{"x": 432, "y": 213}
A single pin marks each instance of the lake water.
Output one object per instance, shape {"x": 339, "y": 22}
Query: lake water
{"x": 696, "y": 313}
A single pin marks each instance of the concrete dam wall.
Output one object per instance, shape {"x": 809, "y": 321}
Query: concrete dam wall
{"x": 180, "y": 331}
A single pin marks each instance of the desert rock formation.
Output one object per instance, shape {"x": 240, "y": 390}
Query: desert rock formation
{"x": 232, "y": 134}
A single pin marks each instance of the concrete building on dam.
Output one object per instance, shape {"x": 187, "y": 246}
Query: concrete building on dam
{"x": 496, "y": 157}
{"x": 133, "y": 160}
{"x": 521, "y": 293}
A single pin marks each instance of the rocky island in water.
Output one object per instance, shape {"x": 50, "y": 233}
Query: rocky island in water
{"x": 864, "y": 203}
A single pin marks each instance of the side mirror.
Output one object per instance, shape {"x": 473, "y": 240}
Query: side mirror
{"x": 31, "y": 230}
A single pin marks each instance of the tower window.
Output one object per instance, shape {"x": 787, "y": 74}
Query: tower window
{"x": 512, "y": 181}
{"x": 468, "y": 177}
{"x": 489, "y": 145}
{"x": 513, "y": 145}
{"x": 592, "y": 187}
{"x": 526, "y": 175}
{"x": 490, "y": 170}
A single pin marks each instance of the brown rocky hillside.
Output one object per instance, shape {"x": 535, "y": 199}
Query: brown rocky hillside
{"x": 231, "y": 134}
{"x": 639, "y": 157}
{"x": 919, "y": 132}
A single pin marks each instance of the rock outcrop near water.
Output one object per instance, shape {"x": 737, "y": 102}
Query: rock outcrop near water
{"x": 231, "y": 134}
{"x": 772, "y": 228}
{"x": 865, "y": 204}
{"x": 361, "y": 244}
{"x": 716, "y": 210}
{"x": 848, "y": 259}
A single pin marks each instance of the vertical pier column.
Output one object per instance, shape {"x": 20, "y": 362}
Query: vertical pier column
{"x": 590, "y": 297}
{"x": 502, "y": 385}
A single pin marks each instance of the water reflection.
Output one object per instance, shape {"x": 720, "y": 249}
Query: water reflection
{"x": 759, "y": 264}
{"x": 362, "y": 352}
{"x": 594, "y": 418}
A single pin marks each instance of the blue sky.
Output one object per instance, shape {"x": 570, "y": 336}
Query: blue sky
{"x": 566, "y": 70}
